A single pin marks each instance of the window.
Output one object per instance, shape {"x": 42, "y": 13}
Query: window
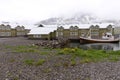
{"x": 3, "y": 27}
{"x": 75, "y": 28}
{"x": 109, "y": 26}
{"x": 95, "y": 33}
{"x": 76, "y": 33}
{"x": 2, "y": 33}
{"x": 71, "y": 28}
{"x": 60, "y": 33}
{"x": 37, "y": 36}
{"x": 60, "y": 28}
{"x": 73, "y": 33}
{"x": 56, "y": 34}
{"x": 8, "y": 27}
{"x": 96, "y": 27}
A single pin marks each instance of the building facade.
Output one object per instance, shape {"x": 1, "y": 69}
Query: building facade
{"x": 74, "y": 32}
{"x": 117, "y": 31}
{"x": 71, "y": 32}
{"x": 21, "y": 31}
{"x": 7, "y": 31}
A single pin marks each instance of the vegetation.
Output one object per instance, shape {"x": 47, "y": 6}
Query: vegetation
{"x": 12, "y": 60}
{"x": 29, "y": 61}
{"x": 91, "y": 55}
{"x": 39, "y": 62}
{"x": 44, "y": 53}
{"x": 27, "y": 49}
{"x": 33, "y": 62}
{"x": 85, "y": 56}
{"x": 73, "y": 63}
{"x": 30, "y": 49}
{"x": 47, "y": 70}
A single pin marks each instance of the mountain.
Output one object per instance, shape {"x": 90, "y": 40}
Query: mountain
{"x": 74, "y": 19}
{"x": 79, "y": 18}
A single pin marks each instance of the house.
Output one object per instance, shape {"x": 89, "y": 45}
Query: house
{"x": 21, "y": 31}
{"x": 117, "y": 31}
{"x": 8, "y": 31}
{"x": 42, "y": 32}
{"x": 5, "y": 30}
{"x": 85, "y": 30}
{"x": 73, "y": 31}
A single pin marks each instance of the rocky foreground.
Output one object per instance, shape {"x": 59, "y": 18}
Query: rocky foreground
{"x": 19, "y": 66}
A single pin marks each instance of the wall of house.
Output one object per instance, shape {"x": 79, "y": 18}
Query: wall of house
{"x": 7, "y": 31}
{"x": 117, "y": 31}
{"x": 20, "y": 31}
{"x": 83, "y": 32}
{"x": 38, "y": 36}
{"x": 66, "y": 33}
{"x": 13, "y": 32}
{"x": 74, "y": 32}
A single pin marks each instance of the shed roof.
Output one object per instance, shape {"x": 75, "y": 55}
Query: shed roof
{"x": 43, "y": 30}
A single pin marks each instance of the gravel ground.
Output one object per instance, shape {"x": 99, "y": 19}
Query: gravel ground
{"x": 55, "y": 67}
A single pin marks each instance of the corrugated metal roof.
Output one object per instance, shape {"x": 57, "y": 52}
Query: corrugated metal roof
{"x": 43, "y": 30}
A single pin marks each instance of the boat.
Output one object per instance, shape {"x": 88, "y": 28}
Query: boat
{"x": 106, "y": 38}
{"x": 90, "y": 40}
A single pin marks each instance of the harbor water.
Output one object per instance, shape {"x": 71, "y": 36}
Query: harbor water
{"x": 97, "y": 46}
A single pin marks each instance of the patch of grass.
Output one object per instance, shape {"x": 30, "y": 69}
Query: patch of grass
{"x": 47, "y": 48}
{"x": 33, "y": 62}
{"x": 15, "y": 78}
{"x": 95, "y": 55}
{"x": 86, "y": 60}
{"x": 114, "y": 58}
{"x": 29, "y": 62}
{"x": 31, "y": 49}
{"x": 8, "y": 47}
{"x": 47, "y": 70}
{"x": 87, "y": 79}
{"x": 40, "y": 62}
{"x": 73, "y": 63}
{"x": 57, "y": 65}
{"x": 65, "y": 64}
{"x": 44, "y": 53}
{"x": 12, "y": 60}
{"x": 114, "y": 52}
{"x": 90, "y": 55}
{"x": 66, "y": 51}
{"x": 85, "y": 56}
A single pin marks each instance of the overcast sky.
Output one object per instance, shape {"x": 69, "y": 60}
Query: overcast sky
{"x": 36, "y": 10}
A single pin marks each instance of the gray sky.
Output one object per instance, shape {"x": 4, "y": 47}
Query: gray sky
{"x": 36, "y": 10}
